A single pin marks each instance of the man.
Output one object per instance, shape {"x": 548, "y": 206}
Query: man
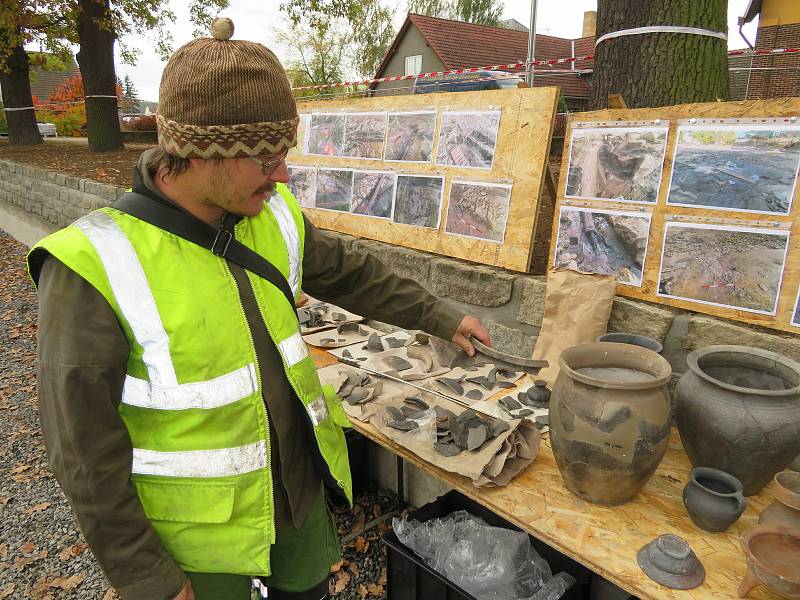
{"x": 183, "y": 416}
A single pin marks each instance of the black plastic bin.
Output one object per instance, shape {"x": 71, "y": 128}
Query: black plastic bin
{"x": 409, "y": 578}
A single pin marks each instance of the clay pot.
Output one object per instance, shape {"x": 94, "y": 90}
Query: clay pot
{"x": 713, "y": 499}
{"x": 738, "y": 410}
{"x": 773, "y": 554}
{"x": 632, "y": 338}
{"x": 670, "y": 561}
{"x": 609, "y": 419}
{"x": 785, "y": 510}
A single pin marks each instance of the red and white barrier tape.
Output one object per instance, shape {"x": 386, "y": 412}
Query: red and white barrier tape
{"x": 510, "y": 66}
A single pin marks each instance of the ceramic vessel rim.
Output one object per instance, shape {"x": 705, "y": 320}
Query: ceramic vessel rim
{"x": 656, "y": 382}
{"x": 773, "y": 530}
{"x": 693, "y": 360}
{"x": 786, "y": 473}
{"x": 688, "y": 581}
{"x": 614, "y": 336}
{"x": 727, "y": 477}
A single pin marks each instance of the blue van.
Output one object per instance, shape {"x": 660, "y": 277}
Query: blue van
{"x": 469, "y": 82}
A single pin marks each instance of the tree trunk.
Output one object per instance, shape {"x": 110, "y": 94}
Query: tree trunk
{"x": 660, "y": 69}
{"x": 96, "y": 60}
{"x": 16, "y": 90}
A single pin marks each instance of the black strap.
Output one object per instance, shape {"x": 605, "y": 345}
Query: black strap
{"x": 219, "y": 241}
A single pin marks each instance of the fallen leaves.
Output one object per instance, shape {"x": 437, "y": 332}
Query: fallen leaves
{"x": 3, "y": 551}
{"x": 7, "y": 591}
{"x": 42, "y": 588}
{"x": 361, "y": 545}
{"x": 340, "y": 582}
{"x": 72, "y": 551}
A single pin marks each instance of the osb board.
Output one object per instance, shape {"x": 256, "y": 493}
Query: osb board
{"x": 785, "y": 107}
{"x": 606, "y": 539}
{"x": 523, "y": 143}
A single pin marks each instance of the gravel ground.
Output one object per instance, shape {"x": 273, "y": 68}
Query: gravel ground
{"x": 42, "y": 554}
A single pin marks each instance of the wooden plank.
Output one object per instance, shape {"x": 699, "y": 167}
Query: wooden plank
{"x": 784, "y": 107}
{"x": 523, "y": 145}
{"x": 606, "y": 539}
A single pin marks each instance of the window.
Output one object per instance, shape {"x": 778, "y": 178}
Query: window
{"x": 414, "y": 64}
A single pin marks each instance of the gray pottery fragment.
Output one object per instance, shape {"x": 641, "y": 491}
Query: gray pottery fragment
{"x": 542, "y": 421}
{"x": 500, "y": 427}
{"x": 412, "y": 413}
{"x": 396, "y": 363}
{"x": 417, "y": 403}
{"x": 394, "y": 342}
{"x": 358, "y": 395}
{"x": 475, "y": 438}
{"x": 327, "y": 341}
{"x": 509, "y": 403}
{"x": 404, "y": 425}
{"x": 539, "y": 396}
{"x": 346, "y": 354}
{"x": 443, "y": 412}
{"x": 505, "y": 384}
{"x": 468, "y": 414}
{"x": 374, "y": 343}
{"x": 484, "y": 382}
{"x": 508, "y": 373}
{"x": 337, "y": 317}
{"x": 492, "y": 377}
{"x": 447, "y": 449}
{"x": 348, "y": 328}
{"x": 524, "y": 412}
{"x": 303, "y": 316}
{"x": 474, "y": 395}
{"x": 453, "y": 384}
{"x": 422, "y": 354}
{"x": 377, "y": 388}
{"x": 395, "y": 413}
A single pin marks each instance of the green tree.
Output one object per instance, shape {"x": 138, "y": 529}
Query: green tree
{"x": 442, "y": 9}
{"x": 660, "y": 69}
{"x": 483, "y": 12}
{"x": 129, "y": 89}
{"x": 373, "y": 31}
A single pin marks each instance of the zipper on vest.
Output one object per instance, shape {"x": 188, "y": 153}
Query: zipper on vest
{"x": 261, "y": 402}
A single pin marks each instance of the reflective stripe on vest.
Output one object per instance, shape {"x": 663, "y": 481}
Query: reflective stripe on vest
{"x": 289, "y": 230}
{"x": 201, "y": 463}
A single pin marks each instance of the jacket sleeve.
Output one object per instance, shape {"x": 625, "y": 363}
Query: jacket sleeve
{"x": 82, "y": 357}
{"x": 364, "y": 285}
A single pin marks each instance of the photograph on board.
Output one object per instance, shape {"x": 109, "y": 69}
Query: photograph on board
{"x": 468, "y": 139}
{"x": 796, "y": 313}
{"x": 736, "y": 167}
{"x": 409, "y": 136}
{"x": 303, "y": 125}
{"x": 732, "y": 267}
{"x": 418, "y": 200}
{"x": 616, "y": 163}
{"x": 478, "y": 210}
{"x": 373, "y": 193}
{"x": 607, "y": 242}
{"x": 303, "y": 185}
{"x": 326, "y": 134}
{"x": 334, "y": 189}
{"x": 363, "y": 135}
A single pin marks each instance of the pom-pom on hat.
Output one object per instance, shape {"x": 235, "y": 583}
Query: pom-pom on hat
{"x": 223, "y": 98}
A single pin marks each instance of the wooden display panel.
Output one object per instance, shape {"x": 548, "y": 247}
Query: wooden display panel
{"x": 523, "y": 144}
{"x": 662, "y": 213}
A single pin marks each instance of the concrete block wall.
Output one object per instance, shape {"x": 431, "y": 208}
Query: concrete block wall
{"x": 510, "y": 304}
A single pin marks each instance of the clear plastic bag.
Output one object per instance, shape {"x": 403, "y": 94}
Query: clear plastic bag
{"x": 491, "y": 563}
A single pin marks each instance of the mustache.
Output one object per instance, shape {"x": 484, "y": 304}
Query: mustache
{"x": 266, "y": 189}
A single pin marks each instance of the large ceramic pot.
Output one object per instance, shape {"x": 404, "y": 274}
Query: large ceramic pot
{"x": 738, "y": 410}
{"x": 609, "y": 419}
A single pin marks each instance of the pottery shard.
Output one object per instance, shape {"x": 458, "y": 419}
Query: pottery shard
{"x": 421, "y": 353}
{"x": 474, "y": 395}
{"x": 359, "y": 395}
{"x": 466, "y": 415}
{"x": 303, "y": 316}
{"x": 508, "y": 373}
{"x": 404, "y": 425}
{"x": 396, "y": 363}
{"x": 337, "y": 317}
{"x": 348, "y": 328}
{"x": 476, "y": 437}
{"x": 453, "y": 384}
{"x": 395, "y": 413}
{"x": 327, "y": 341}
{"x": 504, "y": 384}
{"x": 500, "y": 427}
{"x": 417, "y": 403}
{"x": 525, "y": 412}
{"x": 374, "y": 343}
{"x": 346, "y": 354}
{"x": 411, "y": 412}
{"x": 510, "y": 403}
{"x": 394, "y": 342}
{"x": 484, "y": 382}
{"x": 443, "y": 412}
{"x": 447, "y": 449}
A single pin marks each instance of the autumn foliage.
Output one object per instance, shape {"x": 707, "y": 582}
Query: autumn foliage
{"x": 65, "y": 107}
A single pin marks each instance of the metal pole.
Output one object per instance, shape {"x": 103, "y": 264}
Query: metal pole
{"x": 532, "y": 42}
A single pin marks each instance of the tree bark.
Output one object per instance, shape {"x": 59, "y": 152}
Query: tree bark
{"x": 660, "y": 69}
{"x": 96, "y": 61}
{"x": 16, "y": 90}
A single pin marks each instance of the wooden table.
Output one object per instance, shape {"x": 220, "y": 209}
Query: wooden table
{"x": 606, "y": 539}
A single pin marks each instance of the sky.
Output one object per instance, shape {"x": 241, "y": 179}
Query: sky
{"x": 257, "y": 20}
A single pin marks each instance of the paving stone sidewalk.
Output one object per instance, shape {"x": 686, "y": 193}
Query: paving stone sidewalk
{"x": 42, "y": 553}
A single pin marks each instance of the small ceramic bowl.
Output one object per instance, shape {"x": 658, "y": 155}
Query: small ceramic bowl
{"x": 670, "y": 561}
{"x": 632, "y": 338}
{"x": 773, "y": 556}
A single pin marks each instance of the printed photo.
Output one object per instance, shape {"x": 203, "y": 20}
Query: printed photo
{"x": 363, "y": 135}
{"x": 736, "y": 167}
{"x": 603, "y": 241}
{"x": 734, "y": 267}
{"x": 468, "y": 139}
{"x": 616, "y": 163}
{"x": 303, "y": 185}
{"x": 303, "y": 126}
{"x": 478, "y": 210}
{"x": 326, "y": 134}
{"x": 409, "y": 136}
{"x": 334, "y": 189}
{"x": 796, "y": 316}
{"x": 418, "y": 200}
{"x": 373, "y": 193}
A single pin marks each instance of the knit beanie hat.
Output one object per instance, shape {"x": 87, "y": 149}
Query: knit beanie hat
{"x": 223, "y": 98}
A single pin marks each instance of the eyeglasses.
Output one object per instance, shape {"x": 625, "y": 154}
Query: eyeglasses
{"x": 268, "y": 166}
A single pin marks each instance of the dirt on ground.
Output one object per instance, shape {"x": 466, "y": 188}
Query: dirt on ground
{"x": 72, "y": 157}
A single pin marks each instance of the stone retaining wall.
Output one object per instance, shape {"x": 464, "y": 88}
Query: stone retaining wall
{"x": 509, "y": 303}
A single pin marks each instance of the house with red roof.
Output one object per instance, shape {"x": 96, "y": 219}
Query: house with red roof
{"x": 425, "y": 44}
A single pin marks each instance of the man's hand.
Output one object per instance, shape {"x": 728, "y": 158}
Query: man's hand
{"x": 186, "y": 593}
{"x": 470, "y": 327}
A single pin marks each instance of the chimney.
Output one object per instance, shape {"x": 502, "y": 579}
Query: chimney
{"x": 589, "y": 23}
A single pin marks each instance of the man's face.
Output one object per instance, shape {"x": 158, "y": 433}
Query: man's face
{"x": 239, "y": 185}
